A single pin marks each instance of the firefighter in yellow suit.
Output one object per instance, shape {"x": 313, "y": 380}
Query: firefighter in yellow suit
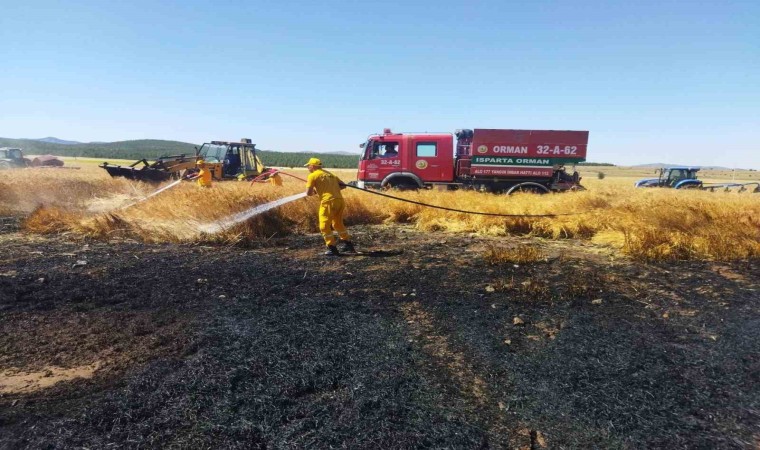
{"x": 275, "y": 180}
{"x": 204, "y": 176}
{"x": 331, "y": 207}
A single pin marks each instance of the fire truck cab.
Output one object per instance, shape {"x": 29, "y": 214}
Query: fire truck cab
{"x": 406, "y": 160}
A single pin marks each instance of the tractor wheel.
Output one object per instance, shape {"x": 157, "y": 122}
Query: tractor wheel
{"x": 4, "y": 165}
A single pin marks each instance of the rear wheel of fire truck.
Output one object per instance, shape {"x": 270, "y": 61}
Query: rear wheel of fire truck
{"x": 528, "y": 188}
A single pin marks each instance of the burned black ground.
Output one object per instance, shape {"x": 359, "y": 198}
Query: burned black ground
{"x": 277, "y": 347}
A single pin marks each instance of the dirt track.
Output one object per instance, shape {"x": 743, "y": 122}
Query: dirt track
{"x": 275, "y": 347}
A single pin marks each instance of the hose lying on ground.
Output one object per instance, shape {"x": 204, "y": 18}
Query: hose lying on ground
{"x": 428, "y": 205}
{"x": 260, "y": 209}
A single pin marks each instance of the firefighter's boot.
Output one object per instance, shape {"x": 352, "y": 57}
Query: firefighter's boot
{"x": 332, "y": 251}
{"x": 347, "y": 247}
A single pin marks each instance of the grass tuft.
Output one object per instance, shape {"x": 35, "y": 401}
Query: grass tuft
{"x": 518, "y": 255}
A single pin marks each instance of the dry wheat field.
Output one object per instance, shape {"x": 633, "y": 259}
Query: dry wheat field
{"x": 649, "y": 224}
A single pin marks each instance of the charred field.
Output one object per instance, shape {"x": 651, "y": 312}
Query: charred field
{"x": 439, "y": 342}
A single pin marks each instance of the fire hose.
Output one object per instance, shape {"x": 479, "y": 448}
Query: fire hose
{"x": 445, "y": 208}
{"x": 260, "y": 209}
{"x": 168, "y": 186}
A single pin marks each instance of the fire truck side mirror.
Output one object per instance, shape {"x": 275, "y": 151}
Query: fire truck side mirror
{"x": 362, "y": 145}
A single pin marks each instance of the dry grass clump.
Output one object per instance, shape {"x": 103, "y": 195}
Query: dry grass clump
{"x": 47, "y": 220}
{"x": 24, "y": 190}
{"x": 648, "y": 224}
{"x": 583, "y": 284}
{"x": 528, "y": 289}
{"x": 517, "y": 255}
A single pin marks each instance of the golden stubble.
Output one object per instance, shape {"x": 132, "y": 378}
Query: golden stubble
{"x": 648, "y": 224}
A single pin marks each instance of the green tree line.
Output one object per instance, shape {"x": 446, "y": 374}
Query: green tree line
{"x": 151, "y": 149}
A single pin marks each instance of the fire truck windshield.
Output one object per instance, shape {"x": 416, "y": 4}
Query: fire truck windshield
{"x": 367, "y": 146}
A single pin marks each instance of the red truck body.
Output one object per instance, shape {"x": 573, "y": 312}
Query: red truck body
{"x": 491, "y": 160}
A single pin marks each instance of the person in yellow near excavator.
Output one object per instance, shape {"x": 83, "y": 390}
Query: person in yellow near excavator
{"x": 204, "y": 176}
{"x": 275, "y": 180}
{"x": 331, "y": 207}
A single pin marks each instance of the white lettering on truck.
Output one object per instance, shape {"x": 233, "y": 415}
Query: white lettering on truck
{"x": 510, "y": 149}
{"x": 556, "y": 150}
{"x": 544, "y": 162}
{"x": 486, "y": 160}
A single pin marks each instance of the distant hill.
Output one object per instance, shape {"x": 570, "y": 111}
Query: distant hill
{"x": 153, "y": 148}
{"x": 55, "y": 140}
{"x": 663, "y": 165}
{"x": 595, "y": 164}
{"x": 358, "y": 153}
{"x": 146, "y": 148}
{"x": 656, "y": 165}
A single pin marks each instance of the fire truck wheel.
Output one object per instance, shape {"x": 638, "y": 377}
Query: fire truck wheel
{"x": 403, "y": 185}
{"x": 528, "y": 188}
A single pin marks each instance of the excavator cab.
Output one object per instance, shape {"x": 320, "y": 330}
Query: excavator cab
{"x": 231, "y": 159}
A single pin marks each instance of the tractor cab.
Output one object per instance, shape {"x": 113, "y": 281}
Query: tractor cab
{"x": 673, "y": 177}
{"x": 12, "y": 157}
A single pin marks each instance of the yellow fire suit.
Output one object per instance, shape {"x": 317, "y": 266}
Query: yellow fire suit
{"x": 275, "y": 180}
{"x": 331, "y": 206}
{"x": 204, "y": 177}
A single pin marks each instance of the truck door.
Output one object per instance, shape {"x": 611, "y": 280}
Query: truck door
{"x": 432, "y": 157}
{"x": 381, "y": 158}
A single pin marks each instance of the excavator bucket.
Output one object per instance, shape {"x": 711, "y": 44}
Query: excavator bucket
{"x": 163, "y": 169}
{"x": 139, "y": 174}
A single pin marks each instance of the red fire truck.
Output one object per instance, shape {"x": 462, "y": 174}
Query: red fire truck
{"x": 487, "y": 160}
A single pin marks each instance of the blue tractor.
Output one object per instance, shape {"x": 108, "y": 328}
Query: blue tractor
{"x": 686, "y": 178}
{"x": 674, "y": 177}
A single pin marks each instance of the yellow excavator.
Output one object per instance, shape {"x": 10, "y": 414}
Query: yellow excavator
{"x": 225, "y": 160}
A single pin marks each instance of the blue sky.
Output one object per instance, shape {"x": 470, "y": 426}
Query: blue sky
{"x": 653, "y": 81}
